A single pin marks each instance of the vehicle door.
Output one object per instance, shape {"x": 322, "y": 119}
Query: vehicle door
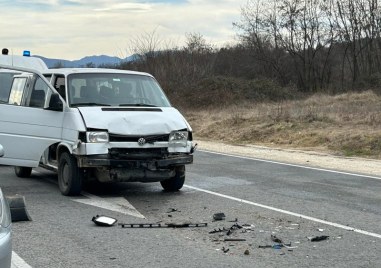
{"x": 28, "y": 122}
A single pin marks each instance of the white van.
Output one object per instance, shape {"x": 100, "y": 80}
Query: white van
{"x": 92, "y": 124}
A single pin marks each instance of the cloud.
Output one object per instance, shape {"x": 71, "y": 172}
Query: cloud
{"x": 72, "y": 29}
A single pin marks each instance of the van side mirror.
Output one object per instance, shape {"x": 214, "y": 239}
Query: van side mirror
{"x": 55, "y": 103}
{"x": 1, "y": 151}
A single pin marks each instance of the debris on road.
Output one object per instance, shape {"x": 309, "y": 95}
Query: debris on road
{"x": 159, "y": 225}
{"x": 225, "y": 250}
{"x": 104, "y": 221}
{"x": 318, "y": 238}
{"x": 276, "y": 239}
{"x": 170, "y": 210}
{"x": 219, "y": 216}
{"x": 247, "y": 252}
{"x": 234, "y": 239}
{"x": 219, "y": 230}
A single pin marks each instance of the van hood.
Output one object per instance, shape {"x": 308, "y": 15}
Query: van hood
{"x": 134, "y": 120}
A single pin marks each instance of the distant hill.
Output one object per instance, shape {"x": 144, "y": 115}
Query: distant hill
{"x": 89, "y": 61}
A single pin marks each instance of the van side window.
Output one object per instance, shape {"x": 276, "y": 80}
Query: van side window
{"x": 17, "y": 90}
{"x": 6, "y": 79}
{"x": 38, "y": 94}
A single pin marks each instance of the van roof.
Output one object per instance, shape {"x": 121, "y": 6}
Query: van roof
{"x": 67, "y": 71}
{"x": 23, "y": 62}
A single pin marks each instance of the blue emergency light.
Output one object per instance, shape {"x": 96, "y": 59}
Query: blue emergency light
{"x": 26, "y": 53}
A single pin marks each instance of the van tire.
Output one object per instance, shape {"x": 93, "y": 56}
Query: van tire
{"x": 23, "y": 172}
{"x": 70, "y": 176}
{"x": 176, "y": 182}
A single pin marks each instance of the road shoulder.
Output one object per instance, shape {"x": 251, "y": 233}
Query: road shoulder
{"x": 298, "y": 157}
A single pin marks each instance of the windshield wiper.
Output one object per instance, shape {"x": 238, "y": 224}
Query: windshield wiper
{"x": 89, "y": 104}
{"x": 137, "y": 104}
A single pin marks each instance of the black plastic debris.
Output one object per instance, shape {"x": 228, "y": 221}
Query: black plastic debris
{"x": 170, "y": 210}
{"x": 234, "y": 227}
{"x": 319, "y": 238}
{"x": 276, "y": 239}
{"x": 278, "y": 246}
{"x": 219, "y": 216}
{"x": 225, "y": 250}
{"x": 219, "y": 230}
{"x": 104, "y": 221}
{"x": 234, "y": 239}
{"x": 159, "y": 225}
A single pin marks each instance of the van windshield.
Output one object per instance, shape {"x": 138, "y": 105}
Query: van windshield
{"x": 115, "y": 89}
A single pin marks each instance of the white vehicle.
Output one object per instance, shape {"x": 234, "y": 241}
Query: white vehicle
{"x": 86, "y": 124}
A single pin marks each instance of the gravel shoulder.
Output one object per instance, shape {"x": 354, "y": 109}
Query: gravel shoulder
{"x": 370, "y": 167}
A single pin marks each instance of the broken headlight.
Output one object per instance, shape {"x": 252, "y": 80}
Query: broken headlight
{"x": 97, "y": 137}
{"x": 178, "y": 138}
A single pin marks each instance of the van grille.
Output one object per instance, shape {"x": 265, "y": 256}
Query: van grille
{"x": 149, "y": 139}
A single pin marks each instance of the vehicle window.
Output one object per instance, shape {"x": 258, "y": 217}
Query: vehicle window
{"x": 38, "y": 94}
{"x": 17, "y": 91}
{"x": 48, "y": 77}
{"x": 6, "y": 79}
{"x": 115, "y": 89}
{"x": 59, "y": 85}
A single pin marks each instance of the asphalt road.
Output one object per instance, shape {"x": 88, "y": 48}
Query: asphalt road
{"x": 293, "y": 203}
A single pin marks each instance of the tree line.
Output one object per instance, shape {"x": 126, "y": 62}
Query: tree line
{"x": 307, "y": 45}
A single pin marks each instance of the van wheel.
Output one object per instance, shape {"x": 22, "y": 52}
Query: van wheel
{"x": 69, "y": 175}
{"x": 23, "y": 172}
{"x": 176, "y": 182}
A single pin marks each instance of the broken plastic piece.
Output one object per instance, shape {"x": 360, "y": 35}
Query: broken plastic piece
{"x": 234, "y": 239}
{"x": 319, "y": 238}
{"x": 265, "y": 246}
{"x": 219, "y": 216}
{"x": 277, "y": 246}
{"x": 158, "y": 225}
{"x": 276, "y": 239}
{"x": 219, "y": 230}
{"x": 104, "y": 220}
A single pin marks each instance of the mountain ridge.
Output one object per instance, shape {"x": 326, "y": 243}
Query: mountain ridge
{"x": 87, "y": 61}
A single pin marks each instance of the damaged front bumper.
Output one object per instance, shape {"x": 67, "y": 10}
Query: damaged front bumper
{"x": 127, "y": 170}
{"x": 105, "y": 161}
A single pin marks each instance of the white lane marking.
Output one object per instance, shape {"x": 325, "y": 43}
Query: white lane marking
{"x": 292, "y": 165}
{"x": 17, "y": 262}
{"x": 348, "y": 228}
{"x": 117, "y": 204}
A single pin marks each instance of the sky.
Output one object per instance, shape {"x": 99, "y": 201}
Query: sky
{"x": 72, "y": 29}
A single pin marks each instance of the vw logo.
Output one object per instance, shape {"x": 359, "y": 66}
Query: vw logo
{"x": 141, "y": 141}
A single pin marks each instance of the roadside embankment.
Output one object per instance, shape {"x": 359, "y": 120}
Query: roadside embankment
{"x": 306, "y": 158}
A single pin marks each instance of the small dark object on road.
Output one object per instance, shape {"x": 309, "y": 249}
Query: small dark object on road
{"x": 219, "y": 230}
{"x": 319, "y": 238}
{"x": 265, "y": 246}
{"x": 219, "y": 216}
{"x": 234, "y": 239}
{"x": 247, "y": 252}
{"x": 158, "y": 225}
{"x": 276, "y": 239}
{"x": 225, "y": 250}
{"x": 170, "y": 210}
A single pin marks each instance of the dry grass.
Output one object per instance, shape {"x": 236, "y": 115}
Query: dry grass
{"x": 348, "y": 124}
